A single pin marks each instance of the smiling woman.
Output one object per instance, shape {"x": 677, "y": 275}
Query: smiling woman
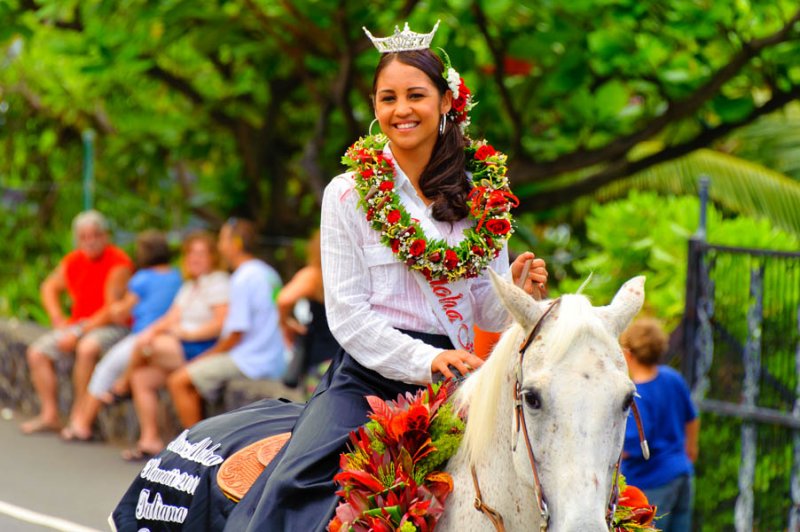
{"x": 407, "y": 235}
{"x": 412, "y": 101}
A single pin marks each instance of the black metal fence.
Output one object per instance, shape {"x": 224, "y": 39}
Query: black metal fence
{"x": 742, "y": 362}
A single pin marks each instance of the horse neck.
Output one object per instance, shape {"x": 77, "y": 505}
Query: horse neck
{"x": 497, "y": 479}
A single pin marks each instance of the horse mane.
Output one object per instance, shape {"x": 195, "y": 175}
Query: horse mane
{"x": 479, "y": 395}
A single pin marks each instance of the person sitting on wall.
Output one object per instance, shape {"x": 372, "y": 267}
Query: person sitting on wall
{"x": 150, "y": 293}
{"x": 191, "y": 326}
{"x": 250, "y": 345}
{"x": 94, "y": 276}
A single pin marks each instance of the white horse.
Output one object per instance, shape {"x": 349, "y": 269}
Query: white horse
{"x": 575, "y": 395}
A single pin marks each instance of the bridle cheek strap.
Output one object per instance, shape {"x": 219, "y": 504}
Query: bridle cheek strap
{"x": 614, "y": 500}
{"x": 519, "y": 421}
{"x": 493, "y": 515}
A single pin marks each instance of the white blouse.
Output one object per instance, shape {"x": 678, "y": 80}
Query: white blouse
{"x": 369, "y": 294}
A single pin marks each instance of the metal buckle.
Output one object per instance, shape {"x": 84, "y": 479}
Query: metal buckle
{"x": 544, "y": 512}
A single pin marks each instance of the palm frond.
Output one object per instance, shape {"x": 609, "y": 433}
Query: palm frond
{"x": 737, "y": 185}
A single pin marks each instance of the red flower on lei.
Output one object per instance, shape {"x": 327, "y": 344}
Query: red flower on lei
{"x": 451, "y": 259}
{"x": 417, "y": 248}
{"x": 498, "y": 227}
{"x": 484, "y": 152}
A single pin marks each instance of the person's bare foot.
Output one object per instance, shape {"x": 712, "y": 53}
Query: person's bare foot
{"x": 39, "y": 424}
{"x": 74, "y": 432}
{"x": 142, "y": 451}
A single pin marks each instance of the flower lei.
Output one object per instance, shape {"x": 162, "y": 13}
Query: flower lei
{"x": 490, "y": 202}
{"x": 392, "y": 478}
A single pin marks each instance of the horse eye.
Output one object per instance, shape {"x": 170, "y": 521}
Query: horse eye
{"x": 628, "y": 402}
{"x": 533, "y": 399}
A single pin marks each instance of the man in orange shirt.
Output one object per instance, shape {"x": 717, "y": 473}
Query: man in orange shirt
{"x": 94, "y": 276}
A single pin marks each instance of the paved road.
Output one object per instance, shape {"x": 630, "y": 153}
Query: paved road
{"x": 42, "y": 476}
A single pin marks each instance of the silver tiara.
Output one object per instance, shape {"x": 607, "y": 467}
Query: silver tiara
{"x": 403, "y": 41}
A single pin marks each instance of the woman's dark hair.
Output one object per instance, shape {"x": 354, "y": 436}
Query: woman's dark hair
{"x": 152, "y": 249}
{"x": 443, "y": 179}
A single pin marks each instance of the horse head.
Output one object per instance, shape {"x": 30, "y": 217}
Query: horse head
{"x": 562, "y": 362}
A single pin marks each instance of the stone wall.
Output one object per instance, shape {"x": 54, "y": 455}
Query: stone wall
{"x": 117, "y": 422}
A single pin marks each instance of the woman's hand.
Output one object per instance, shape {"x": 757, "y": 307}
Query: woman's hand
{"x": 462, "y": 361}
{"x": 536, "y": 282}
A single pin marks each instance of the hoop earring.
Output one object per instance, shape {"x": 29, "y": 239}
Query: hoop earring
{"x": 371, "y": 125}
{"x": 442, "y": 124}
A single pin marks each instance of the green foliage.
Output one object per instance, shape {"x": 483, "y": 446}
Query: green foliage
{"x": 647, "y": 234}
{"x": 737, "y": 185}
{"x": 447, "y": 431}
{"x": 716, "y": 472}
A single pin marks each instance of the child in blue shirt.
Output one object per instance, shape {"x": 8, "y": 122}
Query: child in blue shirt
{"x": 670, "y": 424}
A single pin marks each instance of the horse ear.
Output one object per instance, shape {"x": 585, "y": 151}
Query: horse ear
{"x": 523, "y": 308}
{"x": 624, "y": 307}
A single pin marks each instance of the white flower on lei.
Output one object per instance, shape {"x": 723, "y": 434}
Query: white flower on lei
{"x": 453, "y": 81}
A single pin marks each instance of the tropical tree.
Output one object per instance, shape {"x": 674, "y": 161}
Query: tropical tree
{"x": 246, "y": 105}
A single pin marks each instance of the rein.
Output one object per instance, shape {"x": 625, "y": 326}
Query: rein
{"x": 519, "y": 417}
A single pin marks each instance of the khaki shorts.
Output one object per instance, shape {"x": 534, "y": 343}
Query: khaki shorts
{"x": 105, "y": 336}
{"x": 210, "y": 374}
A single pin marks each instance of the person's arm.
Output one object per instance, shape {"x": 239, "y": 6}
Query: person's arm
{"x": 223, "y": 345}
{"x": 115, "y": 289}
{"x": 166, "y": 322}
{"x": 119, "y": 312}
{"x": 364, "y": 334}
{"x": 692, "y": 439}
{"x": 305, "y": 284}
{"x": 51, "y": 289}
{"x": 209, "y": 329}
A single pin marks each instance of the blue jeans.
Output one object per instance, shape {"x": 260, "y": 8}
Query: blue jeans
{"x": 675, "y": 501}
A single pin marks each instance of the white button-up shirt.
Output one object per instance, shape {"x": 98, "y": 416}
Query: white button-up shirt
{"x": 369, "y": 294}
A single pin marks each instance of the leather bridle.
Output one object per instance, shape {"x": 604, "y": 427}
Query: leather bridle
{"x": 521, "y": 426}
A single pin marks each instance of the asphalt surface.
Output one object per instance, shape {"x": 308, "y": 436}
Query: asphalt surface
{"x": 65, "y": 486}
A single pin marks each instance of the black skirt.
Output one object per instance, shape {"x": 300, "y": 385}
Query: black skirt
{"x": 296, "y": 491}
